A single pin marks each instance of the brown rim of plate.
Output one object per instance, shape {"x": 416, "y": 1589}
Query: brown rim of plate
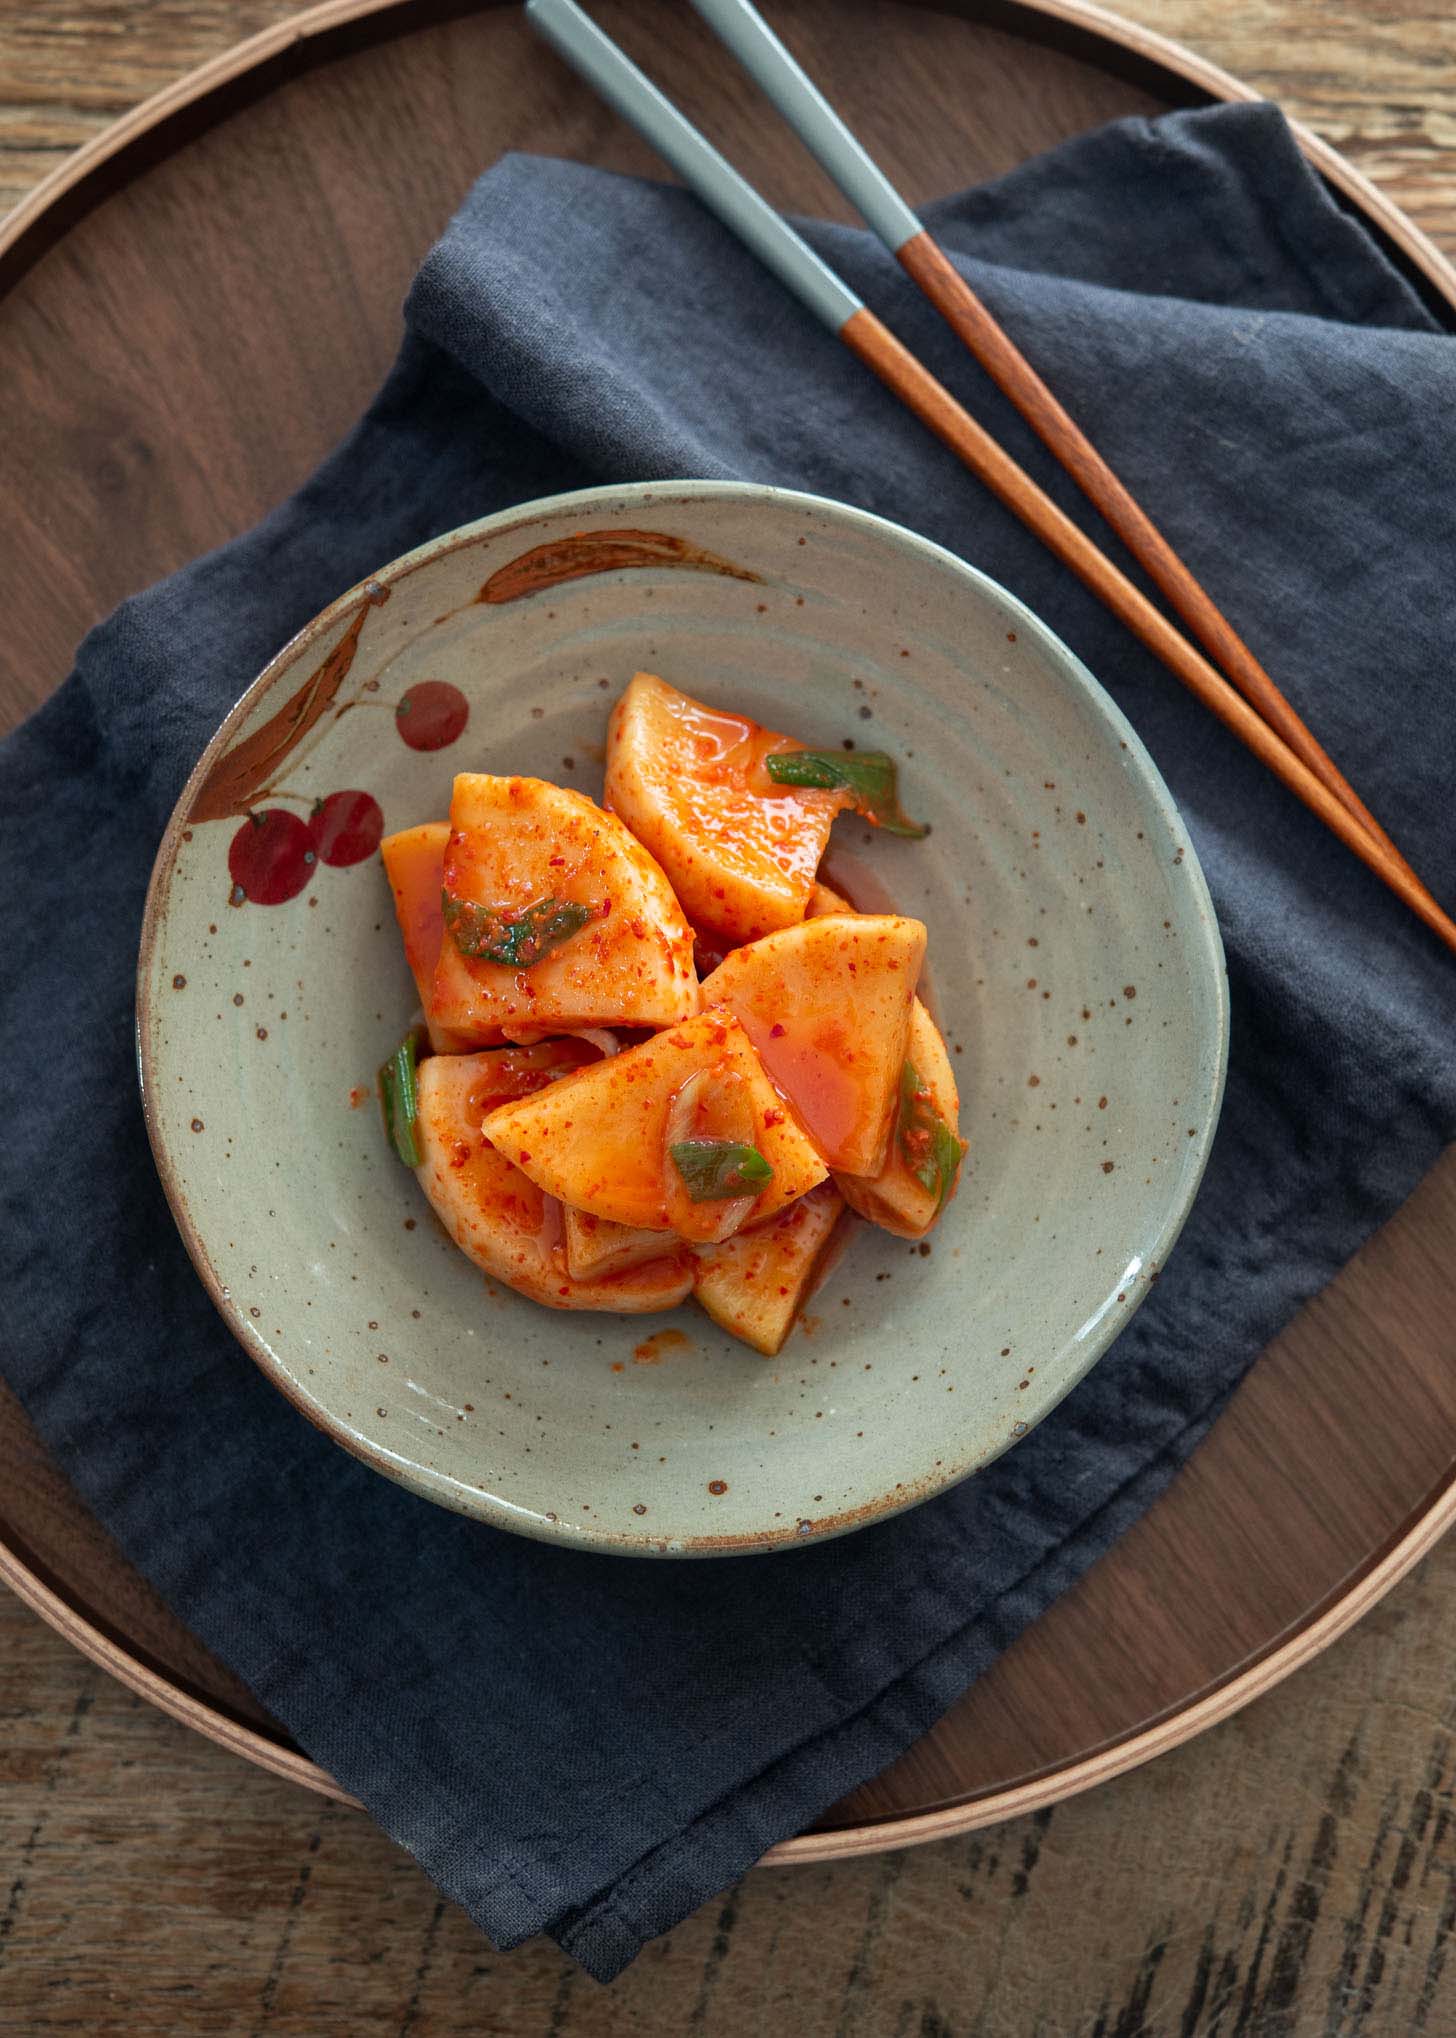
{"x": 1096, "y": 27}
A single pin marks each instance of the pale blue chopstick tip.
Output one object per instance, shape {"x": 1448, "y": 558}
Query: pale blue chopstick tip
{"x": 740, "y": 25}
{"x": 591, "y": 53}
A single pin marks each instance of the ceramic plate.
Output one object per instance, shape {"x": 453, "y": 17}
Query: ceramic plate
{"x": 1076, "y": 970}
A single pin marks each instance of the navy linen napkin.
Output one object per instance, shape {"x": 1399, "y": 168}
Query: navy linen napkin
{"x": 590, "y": 1746}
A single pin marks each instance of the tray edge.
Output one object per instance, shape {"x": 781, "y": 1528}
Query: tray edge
{"x": 1316, "y": 1632}
{"x": 1100, "y": 23}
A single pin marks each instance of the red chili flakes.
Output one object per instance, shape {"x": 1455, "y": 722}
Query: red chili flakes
{"x": 771, "y": 1118}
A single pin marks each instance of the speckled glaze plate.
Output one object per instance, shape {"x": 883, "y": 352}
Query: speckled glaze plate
{"x": 1076, "y": 969}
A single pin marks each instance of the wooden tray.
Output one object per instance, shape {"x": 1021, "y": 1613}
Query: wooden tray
{"x": 194, "y": 308}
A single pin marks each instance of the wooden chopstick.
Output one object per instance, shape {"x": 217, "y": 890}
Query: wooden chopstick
{"x": 925, "y": 262}
{"x": 933, "y": 404}
{"x": 824, "y": 133}
{"x": 822, "y": 291}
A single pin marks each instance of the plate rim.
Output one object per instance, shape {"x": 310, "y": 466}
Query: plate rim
{"x": 1204, "y": 951}
{"x": 1423, "y": 1526}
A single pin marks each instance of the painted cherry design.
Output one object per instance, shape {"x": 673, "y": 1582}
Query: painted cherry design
{"x": 275, "y": 853}
{"x": 271, "y": 858}
{"x": 431, "y": 715}
{"x": 345, "y": 828}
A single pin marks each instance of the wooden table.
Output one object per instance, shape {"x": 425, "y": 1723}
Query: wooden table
{"x": 1293, "y": 1872}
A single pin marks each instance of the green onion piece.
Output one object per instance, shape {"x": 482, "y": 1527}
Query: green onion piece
{"x": 399, "y": 1099}
{"x": 869, "y": 775}
{"x": 715, "y": 1169}
{"x": 485, "y": 934}
{"x": 933, "y": 1153}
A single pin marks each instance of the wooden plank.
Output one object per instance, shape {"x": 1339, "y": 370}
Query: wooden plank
{"x": 1375, "y": 77}
{"x": 1292, "y": 1873}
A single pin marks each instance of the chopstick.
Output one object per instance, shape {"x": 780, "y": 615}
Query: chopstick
{"x": 744, "y": 30}
{"x": 824, "y": 293}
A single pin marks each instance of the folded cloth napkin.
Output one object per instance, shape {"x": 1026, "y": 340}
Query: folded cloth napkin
{"x": 588, "y": 1746}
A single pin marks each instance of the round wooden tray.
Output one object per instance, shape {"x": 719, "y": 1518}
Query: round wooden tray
{"x": 194, "y": 308}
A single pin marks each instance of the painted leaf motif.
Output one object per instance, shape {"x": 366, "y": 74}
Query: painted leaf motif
{"x": 586, "y": 552}
{"x": 241, "y": 774}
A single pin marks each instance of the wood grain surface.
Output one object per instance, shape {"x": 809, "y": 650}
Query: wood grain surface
{"x": 1293, "y": 1872}
{"x": 1375, "y": 77}
{"x": 1291, "y": 1875}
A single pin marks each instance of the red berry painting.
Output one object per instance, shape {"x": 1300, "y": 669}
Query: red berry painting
{"x": 346, "y": 827}
{"x": 431, "y": 715}
{"x": 271, "y": 858}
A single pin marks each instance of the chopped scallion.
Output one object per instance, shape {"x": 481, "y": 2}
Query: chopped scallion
{"x": 932, "y": 1152}
{"x": 870, "y": 776}
{"x": 399, "y": 1099}
{"x": 715, "y": 1169}
{"x": 516, "y": 940}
